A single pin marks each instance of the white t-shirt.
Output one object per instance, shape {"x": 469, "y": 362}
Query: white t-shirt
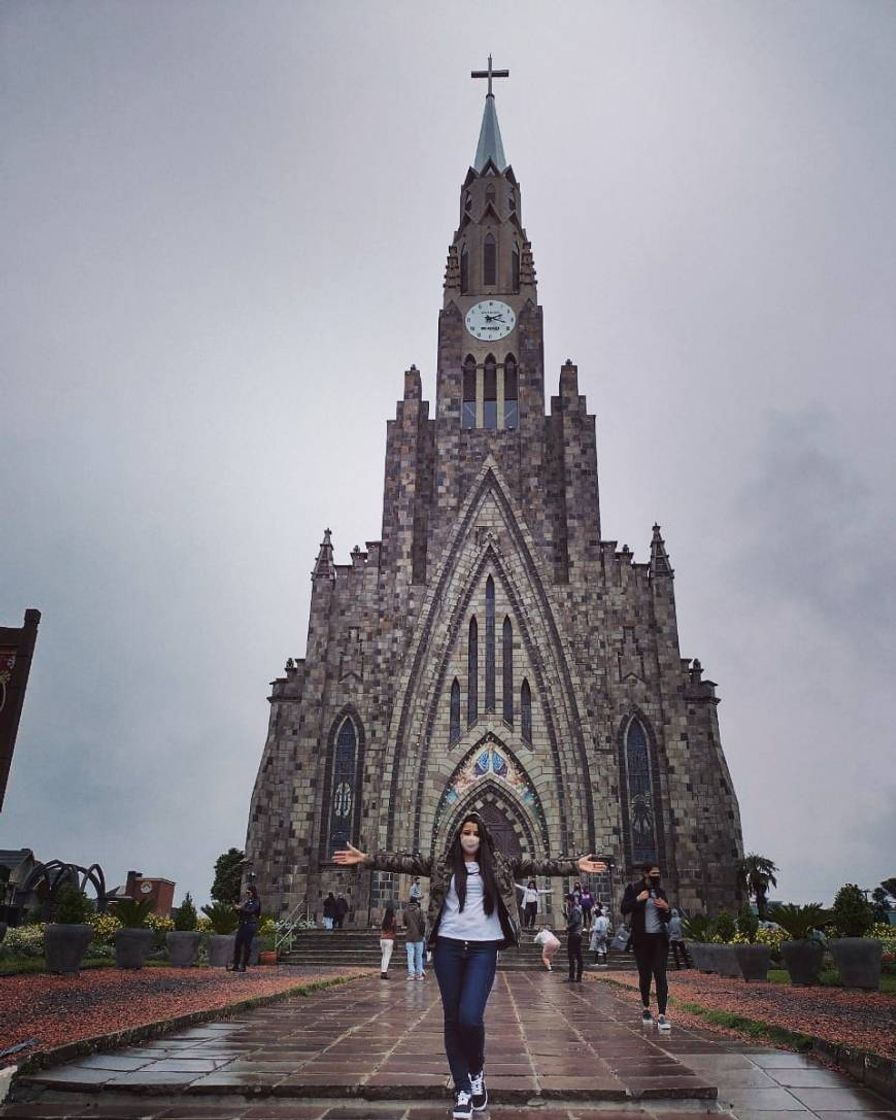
{"x": 473, "y": 924}
{"x": 545, "y": 938}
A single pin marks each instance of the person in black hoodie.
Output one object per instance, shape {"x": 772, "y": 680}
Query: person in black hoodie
{"x": 648, "y": 905}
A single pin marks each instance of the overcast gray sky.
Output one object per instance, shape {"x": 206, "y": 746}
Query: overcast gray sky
{"x": 224, "y": 228}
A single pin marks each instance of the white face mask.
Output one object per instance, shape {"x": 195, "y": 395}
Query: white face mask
{"x": 470, "y": 843}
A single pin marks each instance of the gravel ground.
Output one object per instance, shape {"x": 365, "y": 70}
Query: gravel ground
{"x": 864, "y": 1020}
{"x": 54, "y": 1010}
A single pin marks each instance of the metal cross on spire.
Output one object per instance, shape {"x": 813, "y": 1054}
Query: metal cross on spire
{"x": 490, "y": 73}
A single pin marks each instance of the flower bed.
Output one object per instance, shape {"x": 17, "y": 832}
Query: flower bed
{"x": 860, "y": 1020}
{"x": 51, "y": 1011}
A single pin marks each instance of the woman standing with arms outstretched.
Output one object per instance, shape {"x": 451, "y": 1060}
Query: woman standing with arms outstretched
{"x": 472, "y": 901}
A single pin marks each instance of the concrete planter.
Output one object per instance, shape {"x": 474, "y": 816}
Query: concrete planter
{"x": 183, "y": 947}
{"x": 857, "y": 960}
{"x": 700, "y": 955}
{"x": 725, "y": 960}
{"x": 65, "y": 946}
{"x": 132, "y": 947}
{"x": 220, "y": 949}
{"x": 753, "y": 961}
{"x": 802, "y": 959}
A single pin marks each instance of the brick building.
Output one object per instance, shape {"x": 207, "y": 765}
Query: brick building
{"x": 491, "y": 650}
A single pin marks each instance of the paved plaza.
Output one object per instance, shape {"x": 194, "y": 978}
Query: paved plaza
{"x": 373, "y": 1049}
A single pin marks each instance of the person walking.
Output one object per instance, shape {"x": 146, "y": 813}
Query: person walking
{"x": 529, "y": 901}
{"x": 676, "y": 940}
{"x": 414, "y": 930}
{"x": 416, "y": 891}
{"x": 648, "y": 905}
{"x": 549, "y": 943}
{"x": 249, "y": 910}
{"x": 329, "y": 910}
{"x": 600, "y": 932}
{"x": 339, "y": 911}
{"x": 574, "y": 939}
{"x": 387, "y": 941}
{"x": 472, "y": 901}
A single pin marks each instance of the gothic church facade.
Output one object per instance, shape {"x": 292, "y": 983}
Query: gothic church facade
{"x": 491, "y": 650}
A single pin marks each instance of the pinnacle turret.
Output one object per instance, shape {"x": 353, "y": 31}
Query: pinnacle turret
{"x": 324, "y": 568}
{"x": 659, "y": 558}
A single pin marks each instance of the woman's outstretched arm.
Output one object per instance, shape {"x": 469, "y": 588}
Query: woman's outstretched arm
{"x": 553, "y": 868}
{"x": 406, "y": 863}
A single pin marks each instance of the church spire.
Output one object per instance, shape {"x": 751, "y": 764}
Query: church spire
{"x": 490, "y": 146}
{"x": 659, "y": 558}
{"x": 324, "y": 568}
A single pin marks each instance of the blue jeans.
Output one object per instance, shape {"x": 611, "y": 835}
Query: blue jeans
{"x": 415, "y": 957}
{"x": 465, "y": 971}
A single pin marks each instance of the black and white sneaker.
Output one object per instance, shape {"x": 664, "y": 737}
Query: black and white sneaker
{"x": 463, "y": 1105}
{"x": 663, "y": 1023}
{"x": 646, "y": 1018}
{"x": 479, "y": 1091}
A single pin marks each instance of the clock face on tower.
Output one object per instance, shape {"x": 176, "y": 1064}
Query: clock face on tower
{"x": 490, "y": 318}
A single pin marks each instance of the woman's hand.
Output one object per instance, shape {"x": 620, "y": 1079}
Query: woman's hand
{"x": 349, "y": 857}
{"x": 590, "y": 866}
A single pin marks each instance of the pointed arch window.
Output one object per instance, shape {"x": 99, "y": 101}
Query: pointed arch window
{"x": 507, "y": 670}
{"x": 454, "y": 715}
{"x": 490, "y": 394}
{"x": 641, "y": 818}
{"x": 511, "y": 202}
{"x": 489, "y": 645}
{"x": 511, "y": 393}
{"x": 468, "y": 408}
{"x": 526, "y": 711}
{"x": 468, "y": 202}
{"x": 515, "y": 267}
{"x": 343, "y": 785}
{"x": 473, "y": 673}
{"x": 489, "y": 260}
{"x": 464, "y": 271}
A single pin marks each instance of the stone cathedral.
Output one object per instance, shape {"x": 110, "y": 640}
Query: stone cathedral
{"x": 492, "y": 650}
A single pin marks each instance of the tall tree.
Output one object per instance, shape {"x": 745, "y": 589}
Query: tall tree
{"x": 228, "y": 876}
{"x": 757, "y": 874}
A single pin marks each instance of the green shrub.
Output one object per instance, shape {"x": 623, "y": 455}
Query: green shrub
{"x": 798, "y": 922}
{"x": 699, "y": 927}
{"x": 133, "y": 914}
{"x": 105, "y": 926}
{"x": 72, "y": 907}
{"x": 222, "y": 917}
{"x": 24, "y": 941}
{"x": 747, "y": 923}
{"x": 725, "y": 927}
{"x": 186, "y": 915}
{"x": 853, "y": 915}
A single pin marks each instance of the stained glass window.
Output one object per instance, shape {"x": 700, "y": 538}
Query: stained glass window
{"x": 464, "y": 271}
{"x": 507, "y": 671}
{"x": 468, "y": 415}
{"x": 526, "y": 711}
{"x": 343, "y": 785}
{"x": 515, "y": 268}
{"x": 473, "y": 673}
{"x": 640, "y": 794}
{"x": 489, "y": 644}
{"x": 511, "y": 392}
{"x": 454, "y": 720}
{"x": 490, "y": 394}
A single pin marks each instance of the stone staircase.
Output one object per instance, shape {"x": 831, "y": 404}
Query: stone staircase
{"x": 361, "y": 948}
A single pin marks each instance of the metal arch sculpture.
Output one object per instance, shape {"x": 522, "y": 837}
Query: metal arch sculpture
{"x": 56, "y": 873}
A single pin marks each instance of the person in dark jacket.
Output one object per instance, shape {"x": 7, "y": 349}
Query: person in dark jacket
{"x": 648, "y": 906}
{"x": 249, "y": 910}
{"x": 329, "y": 910}
{"x": 414, "y": 939}
{"x": 340, "y": 911}
{"x": 472, "y": 903}
{"x": 574, "y": 925}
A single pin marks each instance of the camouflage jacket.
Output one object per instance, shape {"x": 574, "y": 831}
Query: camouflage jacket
{"x": 439, "y": 872}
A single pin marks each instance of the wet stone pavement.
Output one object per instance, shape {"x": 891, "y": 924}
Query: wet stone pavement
{"x": 373, "y": 1049}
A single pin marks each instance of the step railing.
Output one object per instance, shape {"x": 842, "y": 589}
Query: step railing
{"x": 288, "y": 927}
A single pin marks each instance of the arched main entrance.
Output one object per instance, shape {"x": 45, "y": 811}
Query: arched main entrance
{"x": 503, "y": 833}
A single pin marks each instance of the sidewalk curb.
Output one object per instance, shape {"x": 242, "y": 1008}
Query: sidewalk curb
{"x": 144, "y": 1031}
{"x": 874, "y": 1071}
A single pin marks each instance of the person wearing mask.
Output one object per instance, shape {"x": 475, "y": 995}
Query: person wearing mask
{"x": 529, "y": 901}
{"x": 416, "y": 892}
{"x": 600, "y": 932}
{"x": 387, "y": 941}
{"x": 646, "y": 902}
{"x": 574, "y": 939}
{"x": 414, "y": 930}
{"x": 472, "y": 903}
{"x": 586, "y": 901}
{"x": 249, "y": 910}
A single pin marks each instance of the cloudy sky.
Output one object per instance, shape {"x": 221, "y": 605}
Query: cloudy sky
{"x": 224, "y": 227}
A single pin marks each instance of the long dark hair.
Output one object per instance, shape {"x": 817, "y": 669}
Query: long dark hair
{"x": 388, "y": 919}
{"x": 485, "y": 857}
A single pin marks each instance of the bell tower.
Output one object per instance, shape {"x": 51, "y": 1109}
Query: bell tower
{"x": 490, "y": 283}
